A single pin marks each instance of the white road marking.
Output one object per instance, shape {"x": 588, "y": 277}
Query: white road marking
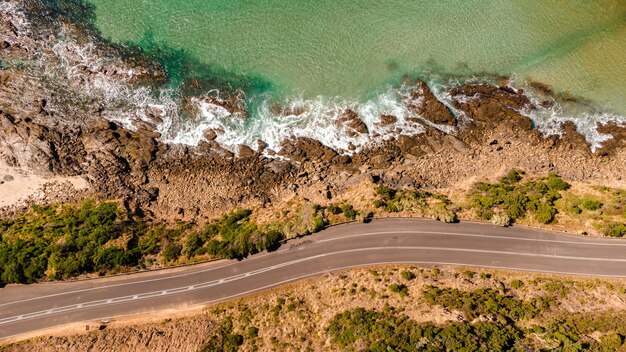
{"x": 236, "y": 277}
{"x": 610, "y": 243}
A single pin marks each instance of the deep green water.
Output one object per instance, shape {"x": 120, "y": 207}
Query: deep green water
{"x": 350, "y": 48}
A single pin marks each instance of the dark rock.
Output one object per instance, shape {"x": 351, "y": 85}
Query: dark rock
{"x": 210, "y": 134}
{"x": 491, "y": 106}
{"x": 302, "y": 149}
{"x": 618, "y": 132}
{"x": 387, "y": 120}
{"x": 245, "y": 152}
{"x": 354, "y": 125}
{"x": 260, "y": 146}
{"x": 423, "y": 102}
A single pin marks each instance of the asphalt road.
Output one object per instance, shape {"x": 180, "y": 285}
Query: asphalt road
{"x": 27, "y": 308}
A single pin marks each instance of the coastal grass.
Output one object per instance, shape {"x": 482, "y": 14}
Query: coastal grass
{"x": 516, "y": 198}
{"x": 59, "y": 242}
{"x": 449, "y": 311}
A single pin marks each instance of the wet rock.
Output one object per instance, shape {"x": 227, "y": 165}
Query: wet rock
{"x": 423, "y": 102}
{"x": 210, "y": 134}
{"x": 277, "y": 109}
{"x": 491, "y": 106}
{"x": 387, "y": 120}
{"x": 302, "y": 149}
{"x": 260, "y": 146}
{"x": 353, "y": 124}
{"x": 618, "y": 140}
{"x": 245, "y": 152}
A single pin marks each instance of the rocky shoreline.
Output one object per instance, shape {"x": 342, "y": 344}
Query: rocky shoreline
{"x": 42, "y": 131}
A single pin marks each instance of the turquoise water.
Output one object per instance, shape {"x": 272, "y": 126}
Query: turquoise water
{"x": 349, "y": 48}
{"x": 321, "y": 57}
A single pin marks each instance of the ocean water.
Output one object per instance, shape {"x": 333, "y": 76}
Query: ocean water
{"x": 326, "y": 55}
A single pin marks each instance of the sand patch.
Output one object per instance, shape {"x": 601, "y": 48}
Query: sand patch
{"x": 18, "y": 186}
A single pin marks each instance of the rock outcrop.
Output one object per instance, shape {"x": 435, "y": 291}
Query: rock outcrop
{"x": 352, "y": 123}
{"x": 423, "y": 102}
{"x": 44, "y": 131}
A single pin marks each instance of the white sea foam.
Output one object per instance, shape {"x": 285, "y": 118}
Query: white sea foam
{"x": 107, "y": 81}
{"x": 549, "y": 120}
{"x": 317, "y": 118}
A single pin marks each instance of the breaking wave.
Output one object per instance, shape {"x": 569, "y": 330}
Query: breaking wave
{"x": 111, "y": 83}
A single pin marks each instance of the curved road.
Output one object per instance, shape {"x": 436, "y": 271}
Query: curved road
{"x": 28, "y": 308}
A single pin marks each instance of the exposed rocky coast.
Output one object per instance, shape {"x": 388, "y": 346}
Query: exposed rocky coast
{"x": 52, "y": 125}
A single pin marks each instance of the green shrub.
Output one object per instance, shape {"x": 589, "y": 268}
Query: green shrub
{"x": 407, "y": 275}
{"x": 379, "y": 203}
{"x": 614, "y": 229}
{"x": 225, "y": 340}
{"x": 64, "y": 242}
{"x": 400, "y": 289}
{"x": 334, "y": 209}
{"x": 387, "y": 193}
{"x": 516, "y": 284}
{"x": 545, "y": 213}
{"x": 612, "y": 341}
{"x": 555, "y": 183}
{"x": 389, "y": 331}
{"x": 171, "y": 252}
{"x": 349, "y": 212}
{"x": 515, "y": 198}
{"x": 480, "y": 302}
{"x": 252, "y": 332}
{"x": 591, "y": 204}
{"x": 512, "y": 177}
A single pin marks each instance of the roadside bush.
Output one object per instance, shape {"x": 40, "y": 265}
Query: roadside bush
{"x": 407, "y": 275}
{"x": 443, "y": 214}
{"x": 545, "y": 213}
{"x": 364, "y": 216}
{"x": 60, "y": 242}
{"x": 171, "y": 252}
{"x": 614, "y": 229}
{"x": 349, "y": 212}
{"x": 501, "y": 219}
{"x": 515, "y": 198}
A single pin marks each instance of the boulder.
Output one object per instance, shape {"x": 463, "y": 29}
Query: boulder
{"x": 423, "y": 102}
{"x": 210, "y": 134}
{"x": 352, "y": 123}
{"x": 387, "y": 120}
{"x": 245, "y": 152}
{"x": 491, "y": 105}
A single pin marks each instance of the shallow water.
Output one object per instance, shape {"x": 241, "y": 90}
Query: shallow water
{"x": 350, "y": 48}
{"x": 321, "y": 57}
